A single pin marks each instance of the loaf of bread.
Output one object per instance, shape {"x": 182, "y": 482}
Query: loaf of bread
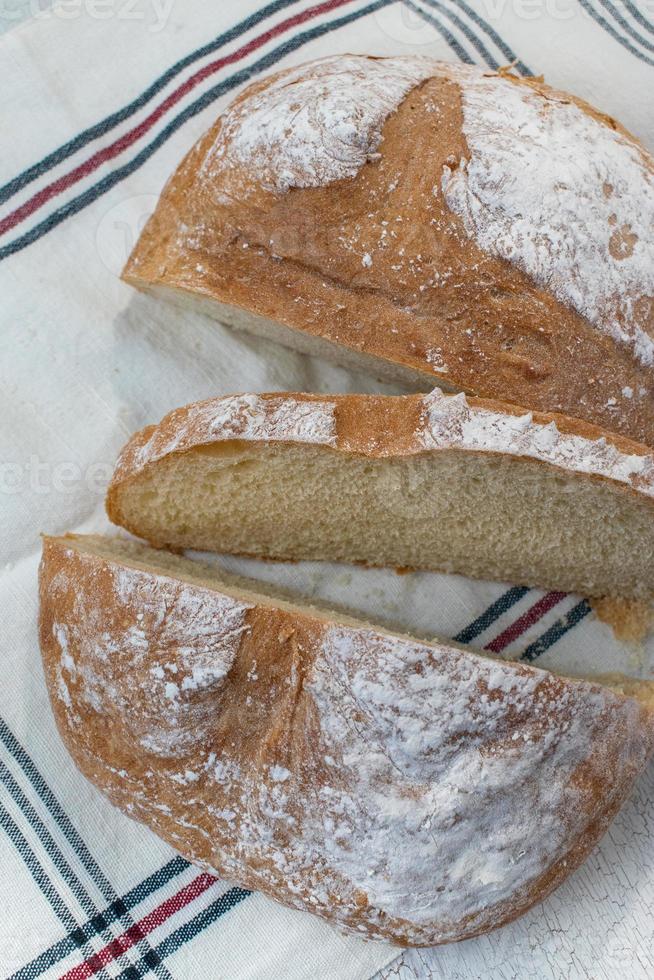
{"x": 429, "y": 222}
{"x": 404, "y": 790}
{"x": 421, "y": 481}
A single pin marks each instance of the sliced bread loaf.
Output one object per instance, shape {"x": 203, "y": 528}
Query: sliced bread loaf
{"x": 434, "y": 482}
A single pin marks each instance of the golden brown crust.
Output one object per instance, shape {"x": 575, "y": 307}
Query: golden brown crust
{"x": 259, "y": 740}
{"x": 376, "y": 426}
{"x": 487, "y": 328}
{"x": 630, "y": 619}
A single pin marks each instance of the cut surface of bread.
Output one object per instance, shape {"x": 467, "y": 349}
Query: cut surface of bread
{"x": 404, "y": 790}
{"x": 433, "y": 482}
{"x": 430, "y": 223}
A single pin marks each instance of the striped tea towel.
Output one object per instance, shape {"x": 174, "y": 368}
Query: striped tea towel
{"x": 101, "y": 98}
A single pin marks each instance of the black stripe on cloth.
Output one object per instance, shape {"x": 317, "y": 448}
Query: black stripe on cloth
{"x": 494, "y": 611}
{"x": 555, "y": 632}
{"x": 62, "y": 819}
{"x": 597, "y": 17}
{"x": 500, "y": 43}
{"x": 110, "y": 122}
{"x": 82, "y": 201}
{"x": 94, "y": 926}
{"x": 466, "y": 30}
{"x": 35, "y": 868}
{"x": 637, "y": 15}
{"x": 187, "y": 931}
{"x": 447, "y": 36}
{"x": 64, "y": 823}
{"x": 625, "y": 25}
{"x": 47, "y": 841}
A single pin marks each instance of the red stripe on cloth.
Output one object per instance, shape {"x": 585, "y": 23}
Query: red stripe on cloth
{"x": 127, "y": 139}
{"x": 135, "y": 933}
{"x": 523, "y": 623}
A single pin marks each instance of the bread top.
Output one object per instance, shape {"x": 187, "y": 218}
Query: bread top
{"x": 547, "y": 185}
{"x": 407, "y": 790}
{"x": 380, "y": 426}
{"x": 478, "y": 228}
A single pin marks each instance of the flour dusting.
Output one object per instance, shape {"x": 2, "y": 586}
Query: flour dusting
{"x": 564, "y": 197}
{"x": 441, "y": 750}
{"x": 175, "y": 659}
{"x": 319, "y": 123}
{"x": 451, "y": 422}
{"x": 248, "y": 417}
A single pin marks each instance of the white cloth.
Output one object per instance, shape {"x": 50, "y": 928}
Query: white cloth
{"x": 85, "y": 361}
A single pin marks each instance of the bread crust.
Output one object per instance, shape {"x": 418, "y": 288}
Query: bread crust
{"x": 374, "y": 426}
{"x": 402, "y": 790}
{"x": 379, "y": 265}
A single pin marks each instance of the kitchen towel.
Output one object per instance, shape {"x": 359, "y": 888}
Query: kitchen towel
{"x": 101, "y": 99}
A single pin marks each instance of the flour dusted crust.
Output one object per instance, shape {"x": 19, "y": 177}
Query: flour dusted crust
{"x": 583, "y": 220}
{"x": 380, "y": 426}
{"x": 403, "y": 790}
{"x": 304, "y": 129}
{"x": 435, "y": 222}
{"x": 306, "y": 419}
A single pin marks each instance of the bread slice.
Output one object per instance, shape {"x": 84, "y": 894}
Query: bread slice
{"x": 432, "y": 482}
{"x": 427, "y": 222}
{"x": 404, "y": 790}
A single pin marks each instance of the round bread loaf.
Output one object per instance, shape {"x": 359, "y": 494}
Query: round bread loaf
{"x": 429, "y": 222}
{"x": 404, "y": 790}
